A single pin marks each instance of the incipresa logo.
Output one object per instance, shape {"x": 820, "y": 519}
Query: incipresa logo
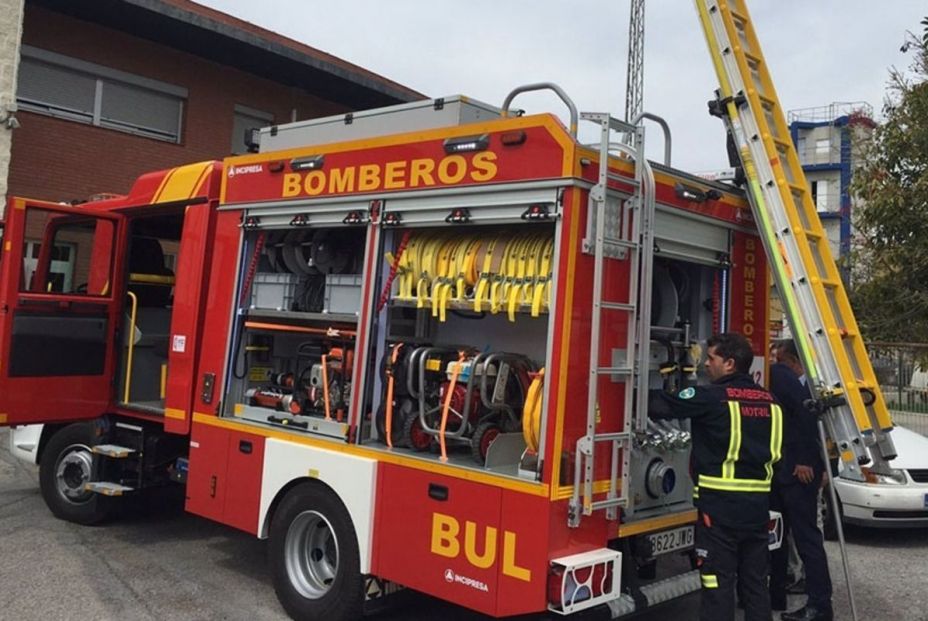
{"x": 452, "y": 577}
{"x": 245, "y": 170}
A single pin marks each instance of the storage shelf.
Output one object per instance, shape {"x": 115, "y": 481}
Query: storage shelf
{"x": 295, "y": 316}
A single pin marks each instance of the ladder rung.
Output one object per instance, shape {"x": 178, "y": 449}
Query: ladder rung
{"x": 811, "y": 235}
{"x": 785, "y": 144}
{"x": 770, "y": 103}
{"x": 621, "y": 126}
{"x": 618, "y": 501}
{"x": 106, "y": 488}
{"x": 623, "y": 180}
{"x": 614, "y": 370}
{"x": 831, "y": 284}
{"x": 797, "y": 189}
{"x": 621, "y": 243}
{"x": 621, "y": 306}
{"x": 738, "y": 17}
{"x": 112, "y": 450}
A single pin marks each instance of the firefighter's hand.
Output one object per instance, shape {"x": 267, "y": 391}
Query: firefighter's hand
{"x": 804, "y": 473}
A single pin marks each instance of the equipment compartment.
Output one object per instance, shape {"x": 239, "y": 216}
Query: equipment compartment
{"x": 294, "y": 334}
{"x": 461, "y": 360}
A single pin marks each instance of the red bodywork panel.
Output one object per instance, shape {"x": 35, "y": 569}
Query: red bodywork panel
{"x": 478, "y": 545}
{"x": 224, "y": 480}
{"x": 412, "y": 162}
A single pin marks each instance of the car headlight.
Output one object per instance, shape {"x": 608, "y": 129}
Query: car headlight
{"x": 892, "y": 476}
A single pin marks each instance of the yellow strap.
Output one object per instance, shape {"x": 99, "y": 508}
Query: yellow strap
{"x": 531, "y": 412}
{"x": 325, "y": 387}
{"x": 483, "y": 280}
{"x": 388, "y": 423}
{"x": 544, "y": 279}
{"x": 447, "y": 405}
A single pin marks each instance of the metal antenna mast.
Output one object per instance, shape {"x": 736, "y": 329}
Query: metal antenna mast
{"x": 634, "y": 85}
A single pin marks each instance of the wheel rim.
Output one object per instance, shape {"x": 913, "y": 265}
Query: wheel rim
{"x": 419, "y": 437}
{"x": 311, "y": 553}
{"x": 487, "y": 439}
{"x": 72, "y": 471}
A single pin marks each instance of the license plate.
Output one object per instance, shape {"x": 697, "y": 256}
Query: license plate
{"x": 670, "y": 540}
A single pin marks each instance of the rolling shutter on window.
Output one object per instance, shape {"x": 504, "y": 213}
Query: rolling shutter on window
{"x": 125, "y": 105}
{"x": 56, "y": 88}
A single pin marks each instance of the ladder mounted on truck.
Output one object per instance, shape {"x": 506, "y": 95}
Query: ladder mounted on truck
{"x": 623, "y": 231}
{"x": 817, "y": 307}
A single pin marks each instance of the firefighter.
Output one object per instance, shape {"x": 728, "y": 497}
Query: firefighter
{"x": 796, "y": 485}
{"x": 737, "y": 434}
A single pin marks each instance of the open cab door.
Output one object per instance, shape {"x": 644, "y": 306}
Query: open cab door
{"x": 58, "y": 312}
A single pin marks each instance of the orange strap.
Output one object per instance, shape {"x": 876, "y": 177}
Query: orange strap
{"x": 447, "y": 406}
{"x": 389, "y": 421}
{"x": 325, "y": 387}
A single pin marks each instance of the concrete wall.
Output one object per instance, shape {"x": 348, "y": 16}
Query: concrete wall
{"x": 11, "y": 28}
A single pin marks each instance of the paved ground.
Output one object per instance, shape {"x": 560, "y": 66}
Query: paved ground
{"x": 162, "y": 564}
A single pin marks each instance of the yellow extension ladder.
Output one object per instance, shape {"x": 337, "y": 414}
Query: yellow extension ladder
{"x": 820, "y": 316}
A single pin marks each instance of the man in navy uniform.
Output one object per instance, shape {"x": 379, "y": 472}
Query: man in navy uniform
{"x": 737, "y": 430}
{"x": 796, "y": 485}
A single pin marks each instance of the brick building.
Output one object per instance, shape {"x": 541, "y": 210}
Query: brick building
{"x": 108, "y": 89}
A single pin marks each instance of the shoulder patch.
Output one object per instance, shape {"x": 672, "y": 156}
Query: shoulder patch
{"x": 687, "y": 393}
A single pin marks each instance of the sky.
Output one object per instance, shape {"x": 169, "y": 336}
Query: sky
{"x": 818, "y": 52}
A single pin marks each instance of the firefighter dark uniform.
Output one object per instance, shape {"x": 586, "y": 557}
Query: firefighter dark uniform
{"x": 737, "y": 431}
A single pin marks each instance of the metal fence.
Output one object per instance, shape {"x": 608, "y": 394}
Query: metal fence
{"x": 902, "y": 372}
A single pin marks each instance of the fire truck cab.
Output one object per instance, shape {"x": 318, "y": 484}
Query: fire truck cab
{"x": 407, "y": 345}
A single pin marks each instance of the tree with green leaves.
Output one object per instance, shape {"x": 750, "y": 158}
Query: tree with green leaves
{"x": 890, "y": 262}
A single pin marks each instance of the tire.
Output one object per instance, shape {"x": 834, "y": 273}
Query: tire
{"x": 484, "y": 434}
{"x": 829, "y": 528}
{"x": 64, "y": 468}
{"x": 314, "y": 555}
{"x": 414, "y": 436}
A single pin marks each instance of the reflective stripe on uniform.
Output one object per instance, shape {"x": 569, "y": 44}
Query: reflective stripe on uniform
{"x": 734, "y": 440}
{"x": 776, "y": 438}
{"x": 734, "y": 485}
{"x": 710, "y": 581}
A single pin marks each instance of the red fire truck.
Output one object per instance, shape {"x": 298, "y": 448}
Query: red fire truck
{"x": 409, "y": 346}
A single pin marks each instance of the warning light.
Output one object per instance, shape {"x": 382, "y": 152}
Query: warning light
{"x": 467, "y": 143}
{"x": 512, "y": 139}
{"x": 315, "y": 162}
{"x": 538, "y": 211}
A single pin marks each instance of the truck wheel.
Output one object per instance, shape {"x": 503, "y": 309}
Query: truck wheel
{"x": 64, "y": 468}
{"x": 314, "y": 555}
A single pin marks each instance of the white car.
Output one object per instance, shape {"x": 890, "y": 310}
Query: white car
{"x": 896, "y": 499}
